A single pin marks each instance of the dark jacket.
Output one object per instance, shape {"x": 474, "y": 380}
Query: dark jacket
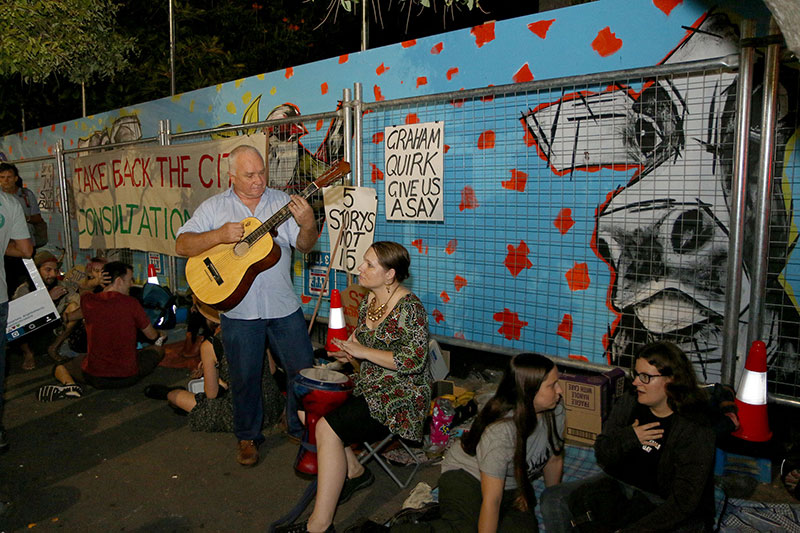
{"x": 685, "y": 470}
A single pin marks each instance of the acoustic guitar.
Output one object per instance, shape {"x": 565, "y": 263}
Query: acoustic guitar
{"x": 222, "y": 275}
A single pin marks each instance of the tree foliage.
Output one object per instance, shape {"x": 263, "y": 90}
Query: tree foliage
{"x": 73, "y": 39}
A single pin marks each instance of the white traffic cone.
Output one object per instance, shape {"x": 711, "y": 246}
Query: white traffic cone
{"x": 151, "y": 274}
{"x": 751, "y": 398}
{"x": 337, "y": 329}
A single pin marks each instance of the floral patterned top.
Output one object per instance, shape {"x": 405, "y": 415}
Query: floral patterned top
{"x": 398, "y": 399}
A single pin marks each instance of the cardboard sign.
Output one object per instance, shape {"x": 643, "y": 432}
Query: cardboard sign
{"x": 414, "y": 171}
{"x": 352, "y": 210}
{"x": 351, "y": 299}
{"x": 31, "y": 311}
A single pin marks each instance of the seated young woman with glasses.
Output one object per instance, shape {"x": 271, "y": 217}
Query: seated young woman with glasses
{"x": 657, "y": 454}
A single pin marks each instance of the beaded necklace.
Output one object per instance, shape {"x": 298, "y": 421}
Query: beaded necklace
{"x": 375, "y": 313}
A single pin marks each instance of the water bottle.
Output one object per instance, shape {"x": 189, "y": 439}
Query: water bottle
{"x": 441, "y": 419}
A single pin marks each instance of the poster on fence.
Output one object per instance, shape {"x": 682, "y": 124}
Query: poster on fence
{"x": 414, "y": 171}
{"x": 352, "y": 210}
{"x": 138, "y": 197}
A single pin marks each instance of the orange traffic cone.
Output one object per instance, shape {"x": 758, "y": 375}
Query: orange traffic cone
{"x": 337, "y": 329}
{"x": 152, "y": 277}
{"x": 751, "y": 399}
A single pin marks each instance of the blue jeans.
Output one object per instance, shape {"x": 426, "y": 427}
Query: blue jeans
{"x": 3, "y": 323}
{"x": 245, "y": 343}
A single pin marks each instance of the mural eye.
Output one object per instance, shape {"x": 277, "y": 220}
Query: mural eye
{"x": 691, "y": 231}
{"x": 647, "y": 135}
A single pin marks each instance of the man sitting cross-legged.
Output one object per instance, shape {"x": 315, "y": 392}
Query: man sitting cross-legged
{"x": 112, "y": 320}
{"x": 50, "y": 337}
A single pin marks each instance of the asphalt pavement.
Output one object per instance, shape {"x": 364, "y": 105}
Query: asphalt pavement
{"x": 115, "y": 460}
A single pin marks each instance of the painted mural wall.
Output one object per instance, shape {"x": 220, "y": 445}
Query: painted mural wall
{"x": 560, "y": 232}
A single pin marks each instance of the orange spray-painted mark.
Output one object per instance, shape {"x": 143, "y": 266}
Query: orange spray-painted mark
{"x": 512, "y": 325}
{"x": 459, "y": 335}
{"x": 606, "y": 42}
{"x": 53, "y": 127}
{"x": 523, "y": 74}
{"x": 381, "y": 69}
{"x": 437, "y": 315}
{"x": 343, "y": 58}
{"x": 541, "y": 27}
{"x": 451, "y": 72}
{"x": 517, "y": 181}
{"x": 451, "y": 247}
{"x": 444, "y": 296}
{"x": 305, "y": 299}
{"x": 565, "y": 328}
{"x": 40, "y": 132}
{"x": 289, "y": 72}
{"x": 483, "y": 33}
{"x": 517, "y": 259}
{"x": 529, "y": 139}
{"x": 418, "y": 244}
{"x": 437, "y": 48}
{"x": 564, "y": 220}
{"x": 667, "y": 5}
{"x": 486, "y": 140}
{"x": 422, "y": 80}
{"x": 377, "y": 138}
{"x": 377, "y": 174}
{"x": 488, "y": 98}
{"x": 64, "y": 129}
{"x": 324, "y": 88}
{"x": 578, "y": 277}
{"x": 578, "y": 357}
{"x": 459, "y": 283}
{"x": 446, "y": 148}
{"x": 409, "y": 43}
{"x": 468, "y": 199}
{"x": 412, "y": 118}
{"x": 319, "y": 124}
{"x": 378, "y": 95}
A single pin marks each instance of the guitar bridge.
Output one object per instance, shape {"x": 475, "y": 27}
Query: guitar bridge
{"x": 213, "y": 271}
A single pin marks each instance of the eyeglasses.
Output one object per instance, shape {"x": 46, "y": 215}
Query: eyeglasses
{"x": 645, "y": 378}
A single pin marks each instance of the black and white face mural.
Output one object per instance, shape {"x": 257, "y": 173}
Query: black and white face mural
{"x": 665, "y": 234}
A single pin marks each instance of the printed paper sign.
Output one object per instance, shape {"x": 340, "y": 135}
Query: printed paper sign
{"x": 414, "y": 171}
{"x": 352, "y": 210}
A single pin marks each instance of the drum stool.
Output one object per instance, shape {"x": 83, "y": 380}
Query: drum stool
{"x": 372, "y": 452}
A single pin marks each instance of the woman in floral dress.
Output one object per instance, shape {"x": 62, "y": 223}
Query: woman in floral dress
{"x": 392, "y": 387}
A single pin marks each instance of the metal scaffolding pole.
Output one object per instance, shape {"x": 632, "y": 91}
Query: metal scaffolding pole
{"x": 744, "y": 88}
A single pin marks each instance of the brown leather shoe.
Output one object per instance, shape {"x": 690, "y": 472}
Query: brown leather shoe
{"x": 248, "y": 453}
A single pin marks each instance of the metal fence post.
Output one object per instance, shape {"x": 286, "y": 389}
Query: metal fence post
{"x": 358, "y": 153}
{"x": 765, "y": 168}
{"x": 164, "y": 140}
{"x": 347, "y": 126}
{"x": 61, "y": 176}
{"x": 730, "y": 341}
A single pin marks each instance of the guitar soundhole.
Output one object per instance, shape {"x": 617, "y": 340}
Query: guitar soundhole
{"x": 241, "y": 248}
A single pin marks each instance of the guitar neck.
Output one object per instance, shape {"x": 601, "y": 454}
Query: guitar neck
{"x": 280, "y": 216}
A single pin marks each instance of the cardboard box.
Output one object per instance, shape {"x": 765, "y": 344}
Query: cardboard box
{"x": 31, "y": 311}
{"x": 588, "y": 400}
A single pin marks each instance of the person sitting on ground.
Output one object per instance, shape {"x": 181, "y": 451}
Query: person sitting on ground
{"x": 212, "y": 409}
{"x": 486, "y": 482}
{"x": 48, "y": 338}
{"x": 392, "y": 388}
{"x": 657, "y": 454}
{"x": 113, "y": 318}
{"x": 89, "y": 278}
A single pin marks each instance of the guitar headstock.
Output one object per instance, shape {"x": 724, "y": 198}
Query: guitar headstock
{"x": 336, "y": 170}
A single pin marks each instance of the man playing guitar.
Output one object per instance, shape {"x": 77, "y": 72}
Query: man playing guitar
{"x": 270, "y": 310}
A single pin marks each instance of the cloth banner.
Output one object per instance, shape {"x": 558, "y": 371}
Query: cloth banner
{"x": 352, "y": 210}
{"x": 138, "y": 197}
